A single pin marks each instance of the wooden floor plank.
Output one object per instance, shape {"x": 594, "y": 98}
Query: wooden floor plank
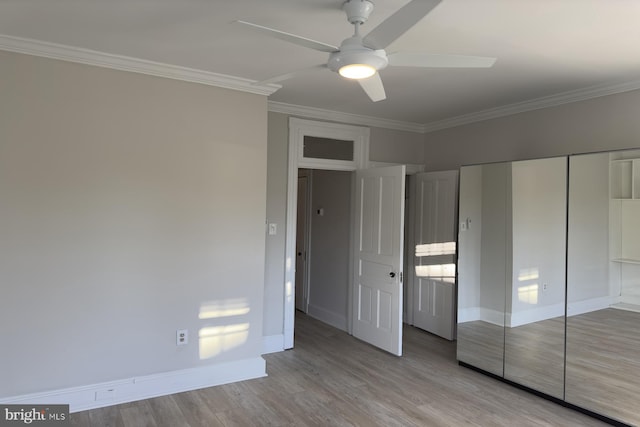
{"x": 333, "y": 379}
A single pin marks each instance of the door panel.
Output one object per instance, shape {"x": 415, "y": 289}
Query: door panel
{"x": 434, "y": 305}
{"x": 379, "y": 231}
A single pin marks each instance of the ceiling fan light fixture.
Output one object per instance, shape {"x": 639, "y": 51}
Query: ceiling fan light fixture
{"x": 357, "y": 71}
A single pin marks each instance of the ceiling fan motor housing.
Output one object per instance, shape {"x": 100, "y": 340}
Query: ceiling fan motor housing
{"x": 353, "y": 52}
{"x": 357, "y": 10}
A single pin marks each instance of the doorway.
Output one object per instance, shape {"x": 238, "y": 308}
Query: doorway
{"x": 323, "y": 245}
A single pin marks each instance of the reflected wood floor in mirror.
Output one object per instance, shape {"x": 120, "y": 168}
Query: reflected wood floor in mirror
{"x": 333, "y": 379}
{"x": 603, "y": 363}
{"x": 481, "y": 344}
{"x": 534, "y": 356}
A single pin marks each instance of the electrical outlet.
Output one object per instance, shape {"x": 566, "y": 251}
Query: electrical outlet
{"x": 544, "y": 287}
{"x": 182, "y": 337}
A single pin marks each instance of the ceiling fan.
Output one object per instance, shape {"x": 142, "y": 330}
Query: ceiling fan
{"x": 360, "y": 58}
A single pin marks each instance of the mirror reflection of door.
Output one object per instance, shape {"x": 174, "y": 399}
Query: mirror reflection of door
{"x": 434, "y": 290}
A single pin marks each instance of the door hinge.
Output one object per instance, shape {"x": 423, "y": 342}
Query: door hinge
{"x": 401, "y": 277}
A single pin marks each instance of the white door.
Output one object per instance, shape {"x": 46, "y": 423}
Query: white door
{"x": 379, "y": 232}
{"x": 301, "y": 242}
{"x": 435, "y": 238}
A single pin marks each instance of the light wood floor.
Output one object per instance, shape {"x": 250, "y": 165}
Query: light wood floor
{"x": 603, "y": 363}
{"x": 332, "y": 379}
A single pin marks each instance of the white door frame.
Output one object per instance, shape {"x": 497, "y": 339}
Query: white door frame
{"x": 298, "y": 128}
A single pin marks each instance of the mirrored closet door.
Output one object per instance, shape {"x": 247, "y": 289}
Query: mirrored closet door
{"x": 482, "y": 268}
{"x": 549, "y": 277}
{"x": 603, "y": 285}
{"x": 512, "y": 271}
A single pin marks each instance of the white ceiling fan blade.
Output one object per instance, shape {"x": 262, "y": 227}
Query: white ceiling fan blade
{"x": 398, "y": 23}
{"x": 373, "y": 87}
{"x": 429, "y": 60}
{"x": 283, "y": 77}
{"x": 291, "y": 38}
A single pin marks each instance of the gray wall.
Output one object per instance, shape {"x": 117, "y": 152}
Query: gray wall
{"x": 599, "y": 124}
{"x": 277, "y": 155}
{"x": 131, "y": 206}
{"x": 395, "y": 146}
{"x": 588, "y": 242}
{"x": 330, "y": 235}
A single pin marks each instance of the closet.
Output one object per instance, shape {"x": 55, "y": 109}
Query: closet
{"x": 549, "y": 278}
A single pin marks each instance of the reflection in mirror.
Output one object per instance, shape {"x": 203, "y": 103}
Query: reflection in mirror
{"x": 603, "y": 285}
{"x": 482, "y": 267}
{"x": 535, "y": 303}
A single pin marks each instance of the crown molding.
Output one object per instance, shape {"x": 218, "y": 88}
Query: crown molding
{"x": 335, "y": 116}
{"x": 141, "y": 66}
{"x": 135, "y": 65}
{"x": 568, "y": 97}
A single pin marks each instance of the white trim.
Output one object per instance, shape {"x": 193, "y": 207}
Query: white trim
{"x": 538, "y": 314}
{"x": 334, "y": 319}
{"x": 488, "y": 315}
{"x": 470, "y": 314}
{"x": 336, "y": 116}
{"x": 568, "y": 97}
{"x": 297, "y": 129}
{"x": 411, "y": 168}
{"x": 593, "y": 304}
{"x": 359, "y": 135}
{"x": 135, "y": 65}
{"x": 146, "y": 387}
{"x": 272, "y": 343}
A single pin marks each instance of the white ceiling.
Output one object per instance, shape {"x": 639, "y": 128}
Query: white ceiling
{"x": 544, "y": 47}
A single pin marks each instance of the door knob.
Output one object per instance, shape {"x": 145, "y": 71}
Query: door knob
{"x": 392, "y": 274}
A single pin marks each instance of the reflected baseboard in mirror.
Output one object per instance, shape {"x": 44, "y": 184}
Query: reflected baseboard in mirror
{"x": 603, "y": 363}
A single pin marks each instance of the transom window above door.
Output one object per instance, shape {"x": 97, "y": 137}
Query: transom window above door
{"x": 333, "y": 146}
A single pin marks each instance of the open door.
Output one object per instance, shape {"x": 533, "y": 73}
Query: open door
{"x": 379, "y": 233}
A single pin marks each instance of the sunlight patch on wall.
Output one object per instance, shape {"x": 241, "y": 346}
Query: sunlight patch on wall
{"x": 439, "y": 270}
{"x": 528, "y": 274}
{"x": 288, "y": 287}
{"x": 432, "y": 249}
{"x": 216, "y": 339}
{"x": 528, "y": 294}
{"x": 225, "y": 308}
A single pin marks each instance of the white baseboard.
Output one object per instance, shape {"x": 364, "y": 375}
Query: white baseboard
{"x": 472, "y": 314}
{"x": 593, "y": 304}
{"x": 541, "y": 313}
{"x": 146, "y": 387}
{"x": 329, "y": 317}
{"x": 469, "y": 314}
{"x": 537, "y": 314}
{"x": 272, "y": 343}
